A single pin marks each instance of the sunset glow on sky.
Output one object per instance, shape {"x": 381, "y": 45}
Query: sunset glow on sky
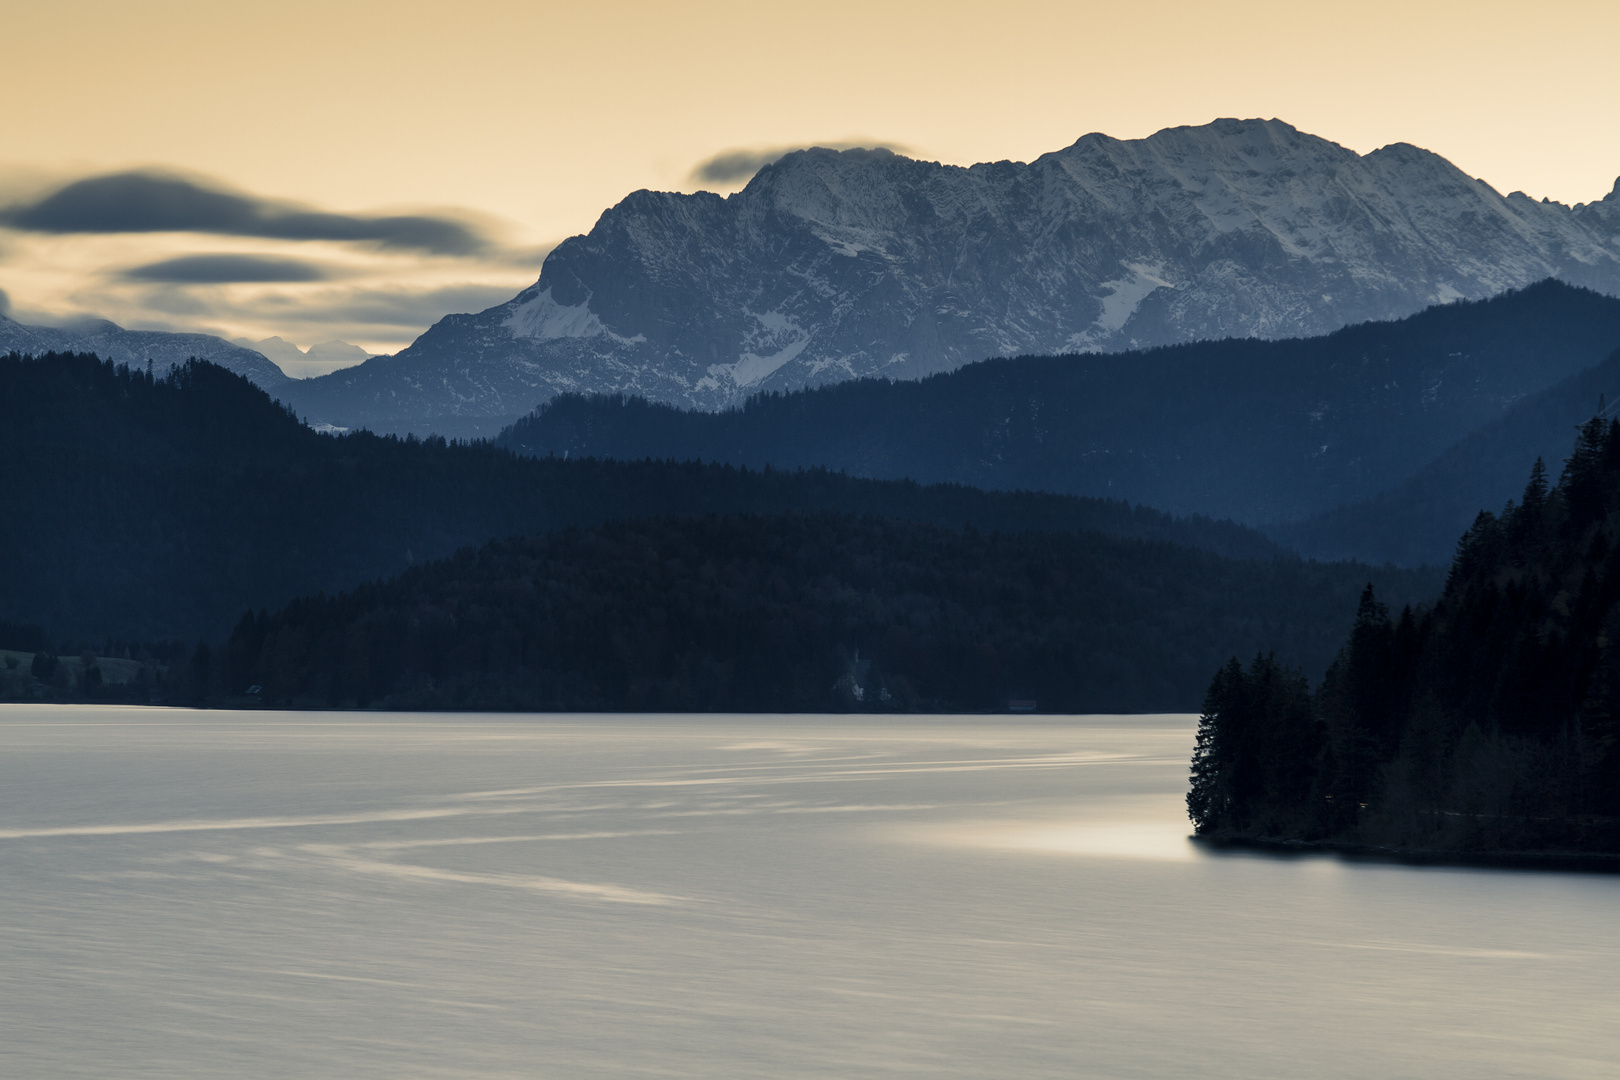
{"x": 525, "y": 121}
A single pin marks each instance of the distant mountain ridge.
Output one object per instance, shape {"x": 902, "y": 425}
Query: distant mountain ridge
{"x": 1264, "y": 432}
{"x": 835, "y": 265}
{"x": 112, "y": 342}
{"x": 320, "y": 358}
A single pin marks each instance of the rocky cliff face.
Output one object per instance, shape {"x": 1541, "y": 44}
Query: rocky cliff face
{"x": 135, "y": 347}
{"x": 834, "y": 265}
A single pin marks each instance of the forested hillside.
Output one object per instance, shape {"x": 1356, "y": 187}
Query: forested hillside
{"x": 1489, "y": 722}
{"x": 1418, "y": 521}
{"x": 798, "y": 613}
{"x": 1261, "y": 431}
{"x": 145, "y": 508}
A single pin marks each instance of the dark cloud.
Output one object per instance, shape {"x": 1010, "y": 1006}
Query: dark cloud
{"x": 532, "y": 256}
{"x": 134, "y": 202}
{"x": 312, "y": 314}
{"x": 733, "y": 166}
{"x": 5, "y": 303}
{"x": 225, "y": 269}
{"x": 179, "y": 300}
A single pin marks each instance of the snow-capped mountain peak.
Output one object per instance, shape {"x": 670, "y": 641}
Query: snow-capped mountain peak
{"x": 831, "y": 265}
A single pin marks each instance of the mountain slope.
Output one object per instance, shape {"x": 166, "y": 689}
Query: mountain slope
{"x": 135, "y": 347}
{"x": 1260, "y": 431}
{"x": 837, "y": 265}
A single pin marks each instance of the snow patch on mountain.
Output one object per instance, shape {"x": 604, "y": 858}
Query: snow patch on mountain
{"x": 1125, "y": 295}
{"x": 541, "y": 318}
{"x": 773, "y": 330}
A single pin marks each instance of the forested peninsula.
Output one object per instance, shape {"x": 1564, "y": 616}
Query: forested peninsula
{"x": 1485, "y": 726}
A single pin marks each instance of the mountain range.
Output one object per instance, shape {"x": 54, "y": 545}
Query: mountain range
{"x": 1148, "y": 306}
{"x": 834, "y": 265}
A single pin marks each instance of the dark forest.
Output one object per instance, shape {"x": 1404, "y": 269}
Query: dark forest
{"x": 158, "y": 508}
{"x": 796, "y": 612}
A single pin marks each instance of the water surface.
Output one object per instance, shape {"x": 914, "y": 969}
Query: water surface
{"x": 193, "y": 894}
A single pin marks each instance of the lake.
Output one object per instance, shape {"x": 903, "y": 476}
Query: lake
{"x": 200, "y": 894}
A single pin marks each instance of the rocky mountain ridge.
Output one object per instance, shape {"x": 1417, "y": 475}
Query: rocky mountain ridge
{"x": 136, "y": 348}
{"x": 832, "y": 265}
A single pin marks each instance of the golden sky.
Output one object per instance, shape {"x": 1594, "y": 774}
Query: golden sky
{"x": 528, "y": 119}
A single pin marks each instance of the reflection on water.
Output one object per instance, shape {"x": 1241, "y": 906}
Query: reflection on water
{"x": 1121, "y": 828}
{"x": 261, "y": 895}
{"x": 1119, "y": 839}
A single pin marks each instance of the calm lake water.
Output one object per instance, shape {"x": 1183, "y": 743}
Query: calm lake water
{"x": 193, "y": 894}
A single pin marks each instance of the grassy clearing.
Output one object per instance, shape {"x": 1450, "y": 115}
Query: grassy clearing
{"x": 17, "y": 682}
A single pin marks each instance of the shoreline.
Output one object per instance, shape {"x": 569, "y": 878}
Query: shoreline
{"x": 1577, "y": 862}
